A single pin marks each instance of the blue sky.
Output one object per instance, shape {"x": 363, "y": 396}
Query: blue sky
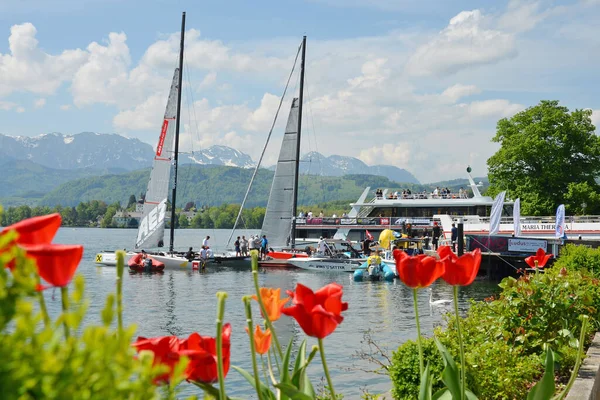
{"x": 419, "y": 85}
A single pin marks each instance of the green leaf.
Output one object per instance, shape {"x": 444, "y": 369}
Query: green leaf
{"x": 292, "y": 392}
{"x": 265, "y": 391}
{"x": 450, "y": 374}
{"x": 544, "y": 389}
{"x": 425, "y": 386}
{"x": 285, "y": 373}
{"x": 442, "y": 394}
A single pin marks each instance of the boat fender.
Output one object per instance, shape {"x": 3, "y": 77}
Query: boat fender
{"x": 358, "y": 275}
{"x": 389, "y": 276}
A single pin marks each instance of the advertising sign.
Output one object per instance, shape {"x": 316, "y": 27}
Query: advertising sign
{"x": 527, "y": 245}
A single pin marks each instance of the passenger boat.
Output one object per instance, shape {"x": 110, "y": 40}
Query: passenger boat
{"x": 419, "y": 211}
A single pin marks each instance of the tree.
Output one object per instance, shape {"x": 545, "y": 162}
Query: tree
{"x": 183, "y": 222}
{"x": 131, "y": 201}
{"x": 544, "y": 151}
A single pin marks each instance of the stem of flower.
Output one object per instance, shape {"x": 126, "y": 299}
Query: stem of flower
{"x": 120, "y": 268}
{"x": 460, "y": 344}
{"x": 325, "y": 369}
{"x": 269, "y": 363}
{"x": 221, "y": 296}
{"x": 64, "y": 295}
{"x": 264, "y": 367}
{"x": 248, "y": 307}
{"x": 43, "y": 308}
{"x": 262, "y": 305}
{"x": 421, "y": 363}
{"x": 584, "y": 324}
{"x": 536, "y": 266}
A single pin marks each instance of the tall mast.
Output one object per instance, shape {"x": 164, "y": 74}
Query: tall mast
{"x": 173, "y": 197}
{"x": 297, "y": 171}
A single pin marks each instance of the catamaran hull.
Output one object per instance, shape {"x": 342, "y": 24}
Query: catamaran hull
{"x": 109, "y": 258}
{"x": 325, "y": 264}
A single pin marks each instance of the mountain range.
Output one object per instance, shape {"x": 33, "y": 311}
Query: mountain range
{"x": 95, "y": 151}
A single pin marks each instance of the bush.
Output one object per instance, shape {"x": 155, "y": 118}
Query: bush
{"x": 579, "y": 258}
{"x": 404, "y": 370}
{"x": 504, "y": 337}
{"x": 38, "y": 362}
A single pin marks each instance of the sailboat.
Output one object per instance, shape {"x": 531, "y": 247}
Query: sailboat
{"x": 152, "y": 223}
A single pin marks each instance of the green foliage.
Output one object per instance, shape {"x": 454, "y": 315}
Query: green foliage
{"x": 404, "y": 370}
{"x": 579, "y": 258}
{"x": 505, "y": 338}
{"x": 38, "y": 362}
{"x": 548, "y": 156}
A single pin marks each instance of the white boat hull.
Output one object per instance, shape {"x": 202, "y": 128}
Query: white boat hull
{"x": 332, "y": 264}
{"x": 109, "y": 259}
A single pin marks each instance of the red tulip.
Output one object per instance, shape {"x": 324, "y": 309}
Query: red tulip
{"x": 541, "y": 257}
{"x": 202, "y": 353}
{"x": 56, "y": 262}
{"x": 445, "y": 251}
{"x": 36, "y": 230}
{"x": 165, "y": 349}
{"x": 461, "y": 271}
{"x": 417, "y": 271}
{"x": 318, "y": 313}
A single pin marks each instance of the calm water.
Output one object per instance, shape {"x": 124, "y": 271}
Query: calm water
{"x": 180, "y": 302}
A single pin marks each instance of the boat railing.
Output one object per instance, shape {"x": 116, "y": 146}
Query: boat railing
{"x": 366, "y": 221}
{"x": 419, "y": 196}
{"x": 524, "y": 220}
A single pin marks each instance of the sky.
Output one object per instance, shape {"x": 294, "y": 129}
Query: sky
{"x": 415, "y": 84}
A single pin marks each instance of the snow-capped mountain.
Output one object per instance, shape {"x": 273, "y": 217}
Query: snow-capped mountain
{"x": 95, "y": 150}
{"x": 315, "y": 163}
{"x": 221, "y": 155}
{"x": 83, "y": 150}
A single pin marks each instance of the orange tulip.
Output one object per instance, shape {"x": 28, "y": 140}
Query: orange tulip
{"x": 273, "y": 304}
{"x": 262, "y": 340}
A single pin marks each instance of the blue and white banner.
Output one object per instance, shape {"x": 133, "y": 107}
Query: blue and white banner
{"x": 560, "y": 222}
{"x": 496, "y": 213}
{"x": 517, "y": 217}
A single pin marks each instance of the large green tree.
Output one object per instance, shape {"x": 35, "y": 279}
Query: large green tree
{"x": 548, "y": 156}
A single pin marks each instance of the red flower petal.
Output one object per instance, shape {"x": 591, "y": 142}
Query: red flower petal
{"x": 462, "y": 271}
{"x": 318, "y": 314}
{"x": 541, "y": 257}
{"x": 56, "y": 262}
{"x": 36, "y": 230}
{"x": 418, "y": 271}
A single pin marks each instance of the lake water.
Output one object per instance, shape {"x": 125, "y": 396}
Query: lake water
{"x": 181, "y": 302}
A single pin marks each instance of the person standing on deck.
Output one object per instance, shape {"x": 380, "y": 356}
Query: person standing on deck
{"x": 238, "y": 251}
{"x": 436, "y": 235}
{"x": 264, "y": 245}
{"x": 321, "y": 246}
{"x": 205, "y": 242}
{"x": 251, "y": 243}
{"x": 454, "y": 237}
{"x": 244, "y": 244}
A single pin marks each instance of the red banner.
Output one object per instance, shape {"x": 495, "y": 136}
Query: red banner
{"x": 161, "y": 140}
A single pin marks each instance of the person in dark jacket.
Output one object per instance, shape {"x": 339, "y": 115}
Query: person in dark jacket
{"x": 436, "y": 235}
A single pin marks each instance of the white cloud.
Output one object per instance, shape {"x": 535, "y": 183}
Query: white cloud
{"x": 394, "y": 154}
{"x": 491, "y": 108}
{"x": 145, "y": 116}
{"x": 65, "y": 107}
{"x": 209, "y": 80}
{"x": 7, "y": 105}
{"x": 465, "y": 42}
{"x": 39, "y": 103}
{"x": 458, "y": 91}
{"x": 596, "y": 119}
{"x": 27, "y": 68}
{"x": 20, "y": 109}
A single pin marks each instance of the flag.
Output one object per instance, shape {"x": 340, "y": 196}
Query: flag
{"x": 560, "y": 222}
{"x": 496, "y": 213}
{"x": 517, "y": 217}
{"x": 369, "y": 236}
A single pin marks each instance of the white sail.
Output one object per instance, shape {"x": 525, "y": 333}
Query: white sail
{"x": 152, "y": 224}
{"x": 496, "y": 213}
{"x": 517, "y": 217}
{"x": 277, "y": 224}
